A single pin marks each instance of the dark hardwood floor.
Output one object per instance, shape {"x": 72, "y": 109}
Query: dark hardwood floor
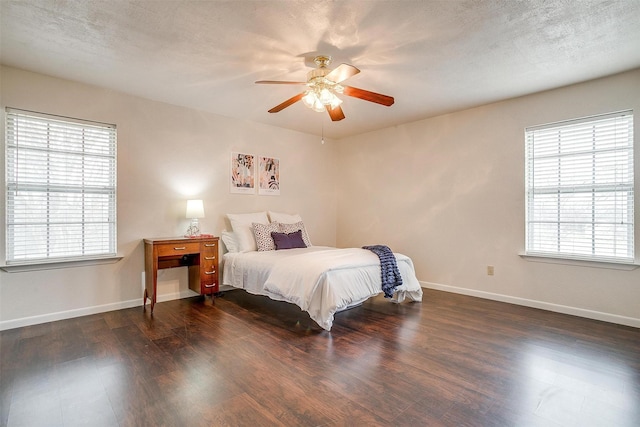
{"x": 245, "y": 360}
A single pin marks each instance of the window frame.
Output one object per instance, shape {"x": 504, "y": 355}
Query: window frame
{"x": 628, "y": 187}
{"x": 86, "y": 149}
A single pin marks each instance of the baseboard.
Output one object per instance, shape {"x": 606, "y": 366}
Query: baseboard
{"x": 70, "y": 314}
{"x": 176, "y": 295}
{"x": 574, "y": 311}
{"x": 86, "y": 311}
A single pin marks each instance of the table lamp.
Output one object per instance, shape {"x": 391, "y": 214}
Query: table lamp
{"x": 195, "y": 210}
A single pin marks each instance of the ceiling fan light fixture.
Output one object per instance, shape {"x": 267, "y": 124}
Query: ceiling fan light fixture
{"x": 326, "y": 96}
{"x": 318, "y": 106}
{"x": 335, "y": 102}
{"x": 319, "y": 97}
{"x": 309, "y": 98}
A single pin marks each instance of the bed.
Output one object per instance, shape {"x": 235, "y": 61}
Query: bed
{"x": 271, "y": 254}
{"x": 320, "y": 280}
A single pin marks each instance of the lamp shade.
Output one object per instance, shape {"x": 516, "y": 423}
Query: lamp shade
{"x": 195, "y": 209}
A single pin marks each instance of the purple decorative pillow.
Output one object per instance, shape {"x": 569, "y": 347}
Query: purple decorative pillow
{"x": 288, "y": 240}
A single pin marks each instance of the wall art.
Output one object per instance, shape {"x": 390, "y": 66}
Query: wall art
{"x": 269, "y": 176}
{"x": 243, "y": 173}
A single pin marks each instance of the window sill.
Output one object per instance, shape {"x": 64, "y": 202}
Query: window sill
{"x": 52, "y": 265}
{"x": 580, "y": 262}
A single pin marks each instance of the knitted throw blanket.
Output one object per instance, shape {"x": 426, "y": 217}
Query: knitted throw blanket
{"x": 389, "y": 268}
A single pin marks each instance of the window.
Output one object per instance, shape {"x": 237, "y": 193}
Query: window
{"x": 61, "y": 188}
{"x": 580, "y": 194}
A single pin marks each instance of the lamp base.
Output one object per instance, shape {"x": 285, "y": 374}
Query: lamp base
{"x": 194, "y": 228}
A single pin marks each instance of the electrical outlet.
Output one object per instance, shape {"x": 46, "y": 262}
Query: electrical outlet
{"x": 489, "y": 270}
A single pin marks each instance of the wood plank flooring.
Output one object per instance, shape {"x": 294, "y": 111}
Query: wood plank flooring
{"x": 245, "y": 360}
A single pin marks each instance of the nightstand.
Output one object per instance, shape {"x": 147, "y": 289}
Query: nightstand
{"x": 199, "y": 254}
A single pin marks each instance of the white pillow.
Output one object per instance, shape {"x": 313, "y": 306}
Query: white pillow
{"x": 243, "y": 229}
{"x": 284, "y": 218}
{"x": 229, "y": 240}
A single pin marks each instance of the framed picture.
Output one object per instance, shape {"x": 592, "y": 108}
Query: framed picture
{"x": 243, "y": 173}
{"x": 269, "y": 176}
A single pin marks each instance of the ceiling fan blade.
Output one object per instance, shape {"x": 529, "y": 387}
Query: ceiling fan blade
{"x": 336, "y": 113}
{"x": 341, "y": 73}
{"x": 286, "y": 103}
{"x": 378, "y": 98}
{"x": 278, "y": 82}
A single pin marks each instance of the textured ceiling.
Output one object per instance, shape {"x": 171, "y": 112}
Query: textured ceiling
{"x": 432, "y": 56}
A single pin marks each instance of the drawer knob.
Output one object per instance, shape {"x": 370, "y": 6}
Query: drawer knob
{"x": 180, "y": 249}
{"x": 209, "y": 245}
{"x": 209, "y": 257}
{"x": 210, "y": 272}
{"x": 210, "y": 286}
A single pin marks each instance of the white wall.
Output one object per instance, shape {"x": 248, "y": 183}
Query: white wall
{"x": 449, "y": 192}
{"x": 166, "y": 155}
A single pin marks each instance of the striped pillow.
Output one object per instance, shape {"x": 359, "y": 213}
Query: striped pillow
{"x": 292, "y": 228}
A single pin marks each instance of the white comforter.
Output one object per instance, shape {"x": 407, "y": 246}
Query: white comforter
{"x": 318, "y": 279}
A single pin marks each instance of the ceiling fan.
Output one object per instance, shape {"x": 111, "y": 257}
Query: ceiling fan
{"x": 323, "y": 85}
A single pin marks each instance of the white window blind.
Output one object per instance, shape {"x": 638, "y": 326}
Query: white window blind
{"x": 580, "y": 192}
{"x": 61, "y": 188}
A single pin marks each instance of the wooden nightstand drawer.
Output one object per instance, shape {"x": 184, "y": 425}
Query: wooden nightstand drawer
{"x": 208, "y": 288}
{"x": 178, "y": 249}
{"x": 209, "y": 272}
{"x": 208, "y": 280}
{"x": 210, "y": 247}
{"x": 209, "y": 261}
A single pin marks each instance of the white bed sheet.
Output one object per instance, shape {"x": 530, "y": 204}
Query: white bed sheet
{"x": 320, "y": 280}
